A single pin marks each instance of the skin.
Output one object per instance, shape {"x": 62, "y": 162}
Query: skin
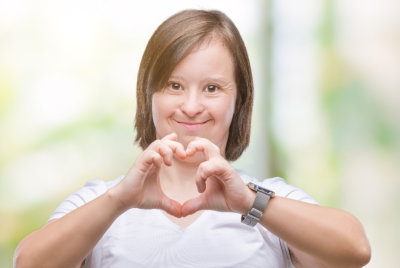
{"x": 184, "y": 172}
{"x": 199, "y": 100}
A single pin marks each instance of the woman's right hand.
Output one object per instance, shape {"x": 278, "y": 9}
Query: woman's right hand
{"x": 74, "y": 235}
{"x": 141, "y": 186}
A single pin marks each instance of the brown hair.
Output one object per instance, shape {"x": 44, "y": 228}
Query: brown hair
{"x": 173, "y": 40}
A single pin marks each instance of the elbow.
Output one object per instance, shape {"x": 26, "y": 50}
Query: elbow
{"x": 357, "y": 253}
{"x": 358, "y": 256}
{"x": 20, "y": 260}
{"x": 363, "y": 254}
{"x": 360, "y": 249}
{"x": 25, "y": 255}
{"x": 25, "y": 258}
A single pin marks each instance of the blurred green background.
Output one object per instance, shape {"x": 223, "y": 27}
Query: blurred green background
{"x": 326, "y": 115}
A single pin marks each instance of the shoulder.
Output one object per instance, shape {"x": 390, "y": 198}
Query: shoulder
{"x": 91, "y": 190}
{"x": 95, "y": 188}
{"x": 279, "y": 186}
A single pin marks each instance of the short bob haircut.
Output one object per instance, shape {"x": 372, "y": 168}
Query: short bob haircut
{"x": 173, "y": 40}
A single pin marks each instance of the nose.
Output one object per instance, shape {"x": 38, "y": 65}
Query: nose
{"x": 192, "y": 104}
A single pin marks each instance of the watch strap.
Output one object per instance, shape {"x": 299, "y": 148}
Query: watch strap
{"x": 254, "y": 215}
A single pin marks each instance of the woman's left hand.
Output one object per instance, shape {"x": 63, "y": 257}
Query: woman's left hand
{"x": 220, "y": 186}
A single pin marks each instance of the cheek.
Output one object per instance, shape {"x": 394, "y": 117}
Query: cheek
{"x": 162, "y": 108}
{"x": 231, "y": 111}
{"x": 225, "y": 111}
{"x": 156, "y": 110}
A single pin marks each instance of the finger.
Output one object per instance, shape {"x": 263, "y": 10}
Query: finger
{"x": 219, "y": 169}
{"x": 192, "y": 206}
{"x": 156, "y": 159}
{"x": 177, "y": 148}
{"x": 196, "y": 145}
{"x": 203, "y": 145}
{"x": 201, "y": 177}
{"x": 167, "y": 147}
{"x": 147, "y": 160}
{"x": 172, "y": 136}
{"x": 164, "y": 150}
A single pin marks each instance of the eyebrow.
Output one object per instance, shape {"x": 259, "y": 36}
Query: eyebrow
{"x": 208, "y": 79}
{"x": 218, "y": 80}
{"x": 178, "y": 77}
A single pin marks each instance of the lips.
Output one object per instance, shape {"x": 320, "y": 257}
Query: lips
{"x": 192, "y": 126}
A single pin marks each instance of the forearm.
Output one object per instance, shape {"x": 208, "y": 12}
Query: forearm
{"x": 65, "y": 242}
{"x": 333, "y": 237}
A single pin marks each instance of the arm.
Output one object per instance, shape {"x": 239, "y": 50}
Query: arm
{"x": 67, "y": 241}
{"x": 317, "y": 236}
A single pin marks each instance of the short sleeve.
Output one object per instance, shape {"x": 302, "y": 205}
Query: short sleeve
{"x": 280, "y": 187}
{"x": 91, "y": 190}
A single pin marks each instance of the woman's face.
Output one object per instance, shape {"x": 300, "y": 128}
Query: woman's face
{"x": 199, "y": 99}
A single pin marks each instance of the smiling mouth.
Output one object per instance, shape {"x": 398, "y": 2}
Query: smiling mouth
{"x": 192, "y": 126}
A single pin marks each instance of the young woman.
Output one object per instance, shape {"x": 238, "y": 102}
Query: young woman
{"x": 182, "y": 204}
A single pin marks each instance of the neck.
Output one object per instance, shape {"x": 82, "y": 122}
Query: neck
{"x": 180, "y": 172}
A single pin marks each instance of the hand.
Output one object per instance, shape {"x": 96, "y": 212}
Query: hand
{"x": 141, "y": 186}
{"x": 220, "y": 186}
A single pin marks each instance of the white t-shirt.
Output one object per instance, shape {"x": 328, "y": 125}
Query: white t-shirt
{"x": 147, "y": 238}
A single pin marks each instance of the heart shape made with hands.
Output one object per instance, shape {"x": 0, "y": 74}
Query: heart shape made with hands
{"x": 219, "y": 185}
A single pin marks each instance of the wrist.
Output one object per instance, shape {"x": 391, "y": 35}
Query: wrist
{"x": 114, "y": 197}
{"x": 249, "y": 200}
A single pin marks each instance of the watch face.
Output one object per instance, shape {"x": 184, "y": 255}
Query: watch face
{"x": 257, "y": 188}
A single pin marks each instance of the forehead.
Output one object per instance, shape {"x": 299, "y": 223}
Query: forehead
{"x": 209, "y": 57}
{"x": 215, "y": 42}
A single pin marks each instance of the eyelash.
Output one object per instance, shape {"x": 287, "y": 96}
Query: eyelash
{"x": 172, "y": 86}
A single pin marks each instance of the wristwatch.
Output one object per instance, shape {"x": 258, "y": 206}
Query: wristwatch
{"x": 263, "y": 195}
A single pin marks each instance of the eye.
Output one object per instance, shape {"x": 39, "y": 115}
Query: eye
{"x": 174, "y": 86}
{"x": 211, "y": 89}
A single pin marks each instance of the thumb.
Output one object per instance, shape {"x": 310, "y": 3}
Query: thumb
{"x": 193, "y": 205}
{"x": 171, "y": 206}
